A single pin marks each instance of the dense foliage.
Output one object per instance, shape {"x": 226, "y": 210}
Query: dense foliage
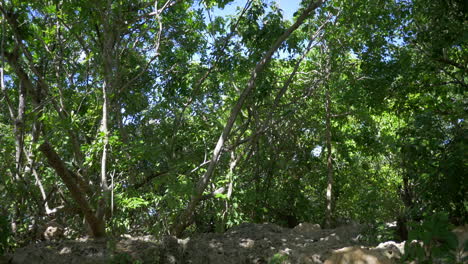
{"x": 111, "y": 111}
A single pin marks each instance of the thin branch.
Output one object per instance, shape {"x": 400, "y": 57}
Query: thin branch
{"x": 78, "y": 38}
{"x": 453, "y": 63}
{"x": 149, "y": 178}
{"x": 157, "y": 14}
{"x": 199, "y": 166}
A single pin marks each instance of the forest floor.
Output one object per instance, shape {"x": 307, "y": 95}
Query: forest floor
{"x": 246, "y": 243}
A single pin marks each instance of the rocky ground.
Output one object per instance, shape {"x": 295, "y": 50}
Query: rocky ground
{"x": 246, "y": 243}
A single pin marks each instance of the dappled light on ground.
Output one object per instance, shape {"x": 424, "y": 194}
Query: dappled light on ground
{"x": 246, "y": 243}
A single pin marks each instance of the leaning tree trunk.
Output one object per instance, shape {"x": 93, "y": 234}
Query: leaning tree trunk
{"x": 76, "y": 184}
{"x": 184, "y": 220}
{"x": 96, "y": 225}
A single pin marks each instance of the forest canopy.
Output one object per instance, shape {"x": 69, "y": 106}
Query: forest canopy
{"x": 168, "y": 117}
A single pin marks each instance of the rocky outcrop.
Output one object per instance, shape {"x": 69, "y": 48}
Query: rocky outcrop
{"x": 246, "y": 243}
{"x": 349, "y": 255}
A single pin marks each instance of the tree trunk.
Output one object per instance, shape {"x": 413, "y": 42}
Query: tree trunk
{"x": 328, "y": 137}
{"x": 105, "y": 199}
{"x": 227, "y": 204}
{"x": 109, "y": 46}
{"x": 184, "y": 220}
{"x": 330, "y": 180}
{"x": 19, "y": 131}
{"x": 96, "y": 225}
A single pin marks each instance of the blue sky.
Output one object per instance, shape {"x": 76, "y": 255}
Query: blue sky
{"x": 288, "y": 7}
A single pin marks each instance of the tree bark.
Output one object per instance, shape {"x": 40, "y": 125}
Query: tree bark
{"x": 96, "y": 225}
{"x": 330, "y": 180}
{"x": 184, "y": 220}
{"x": 227, "y": 201}
{"x": 105, "y": 199}
{"x": 109, "y": 44}
{"x": 328, "y": 137}
{"x": 19, "y": 130}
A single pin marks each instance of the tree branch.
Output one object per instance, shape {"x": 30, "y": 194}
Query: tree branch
{"x": 186, "y": 216}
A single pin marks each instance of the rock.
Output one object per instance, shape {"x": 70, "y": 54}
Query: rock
{"x": 351, "y": 255}
{"x": 49, "y": 231}
{"x": 349, "y": 232}
{"x": 53, "y": 231}
{"x": 462, "y": 236}
{"x": 247, "y": 243}
{"x": 397, "y": 249}
{"x": 307, "y": 227}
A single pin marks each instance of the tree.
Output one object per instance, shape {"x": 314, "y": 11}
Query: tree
{"x": 354, "y": 110}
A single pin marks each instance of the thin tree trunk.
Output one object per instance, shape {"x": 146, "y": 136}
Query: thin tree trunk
{"x": 37, "y": 93}
{"x": 43, "y": 86}
{"x": 19, "y": 131}
{"x": 330, "y": 180}
{"x": 109, "y": 43}
{"x": 227, "y": 204}
{"x": 328, "y": 137}
{"x": 31, "y": 159}
{"x": 32, "y": 164}
{"x": 34, "y": 172}
{"x": 185, "y": 218}
{"x": 105, "y": 199}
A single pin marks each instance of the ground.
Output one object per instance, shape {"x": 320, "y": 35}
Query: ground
{"x": 246, "y": 243}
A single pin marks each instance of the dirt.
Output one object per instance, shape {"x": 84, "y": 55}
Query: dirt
{"x": 246, "y": 243}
